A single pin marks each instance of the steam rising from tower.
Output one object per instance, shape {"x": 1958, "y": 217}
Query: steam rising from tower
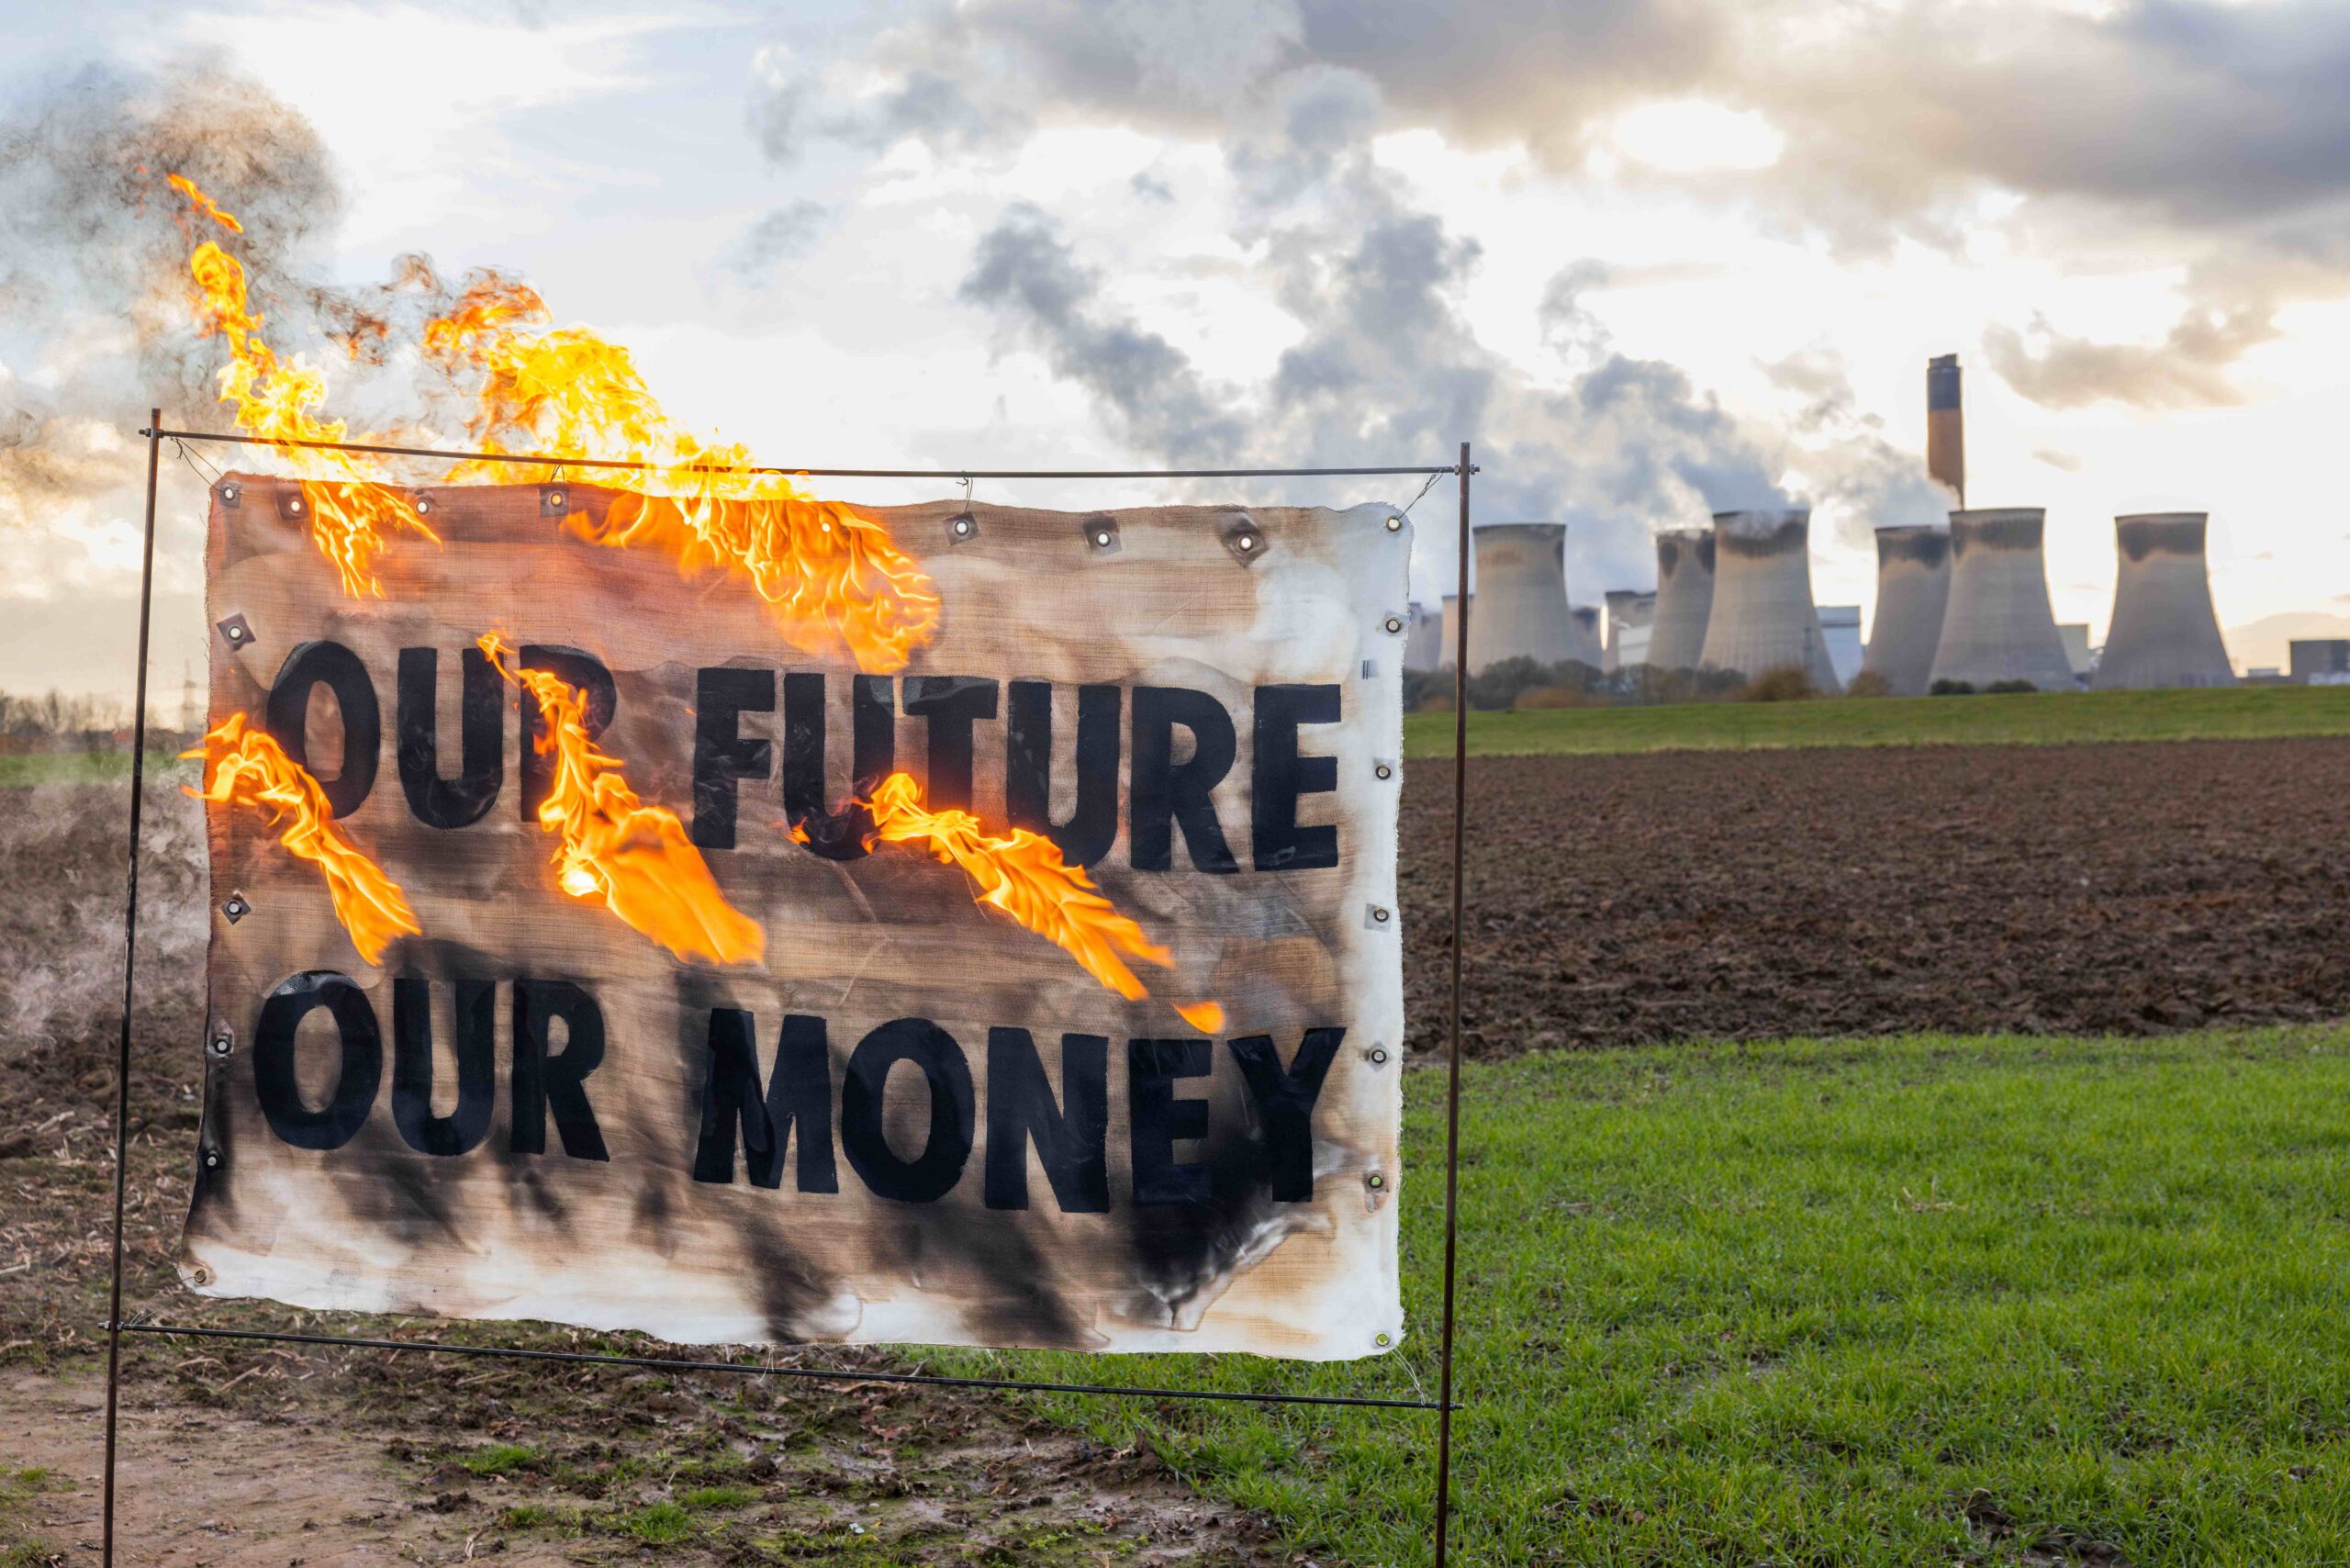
{"x": 1945, "y": 426}
{"x": 1763, "y": 617}
{"x": 1998, "y": 625}
{"x": 1912, "y": 591}
{"x": 1685, "y": 598}
{"x": 2164, "y": 632}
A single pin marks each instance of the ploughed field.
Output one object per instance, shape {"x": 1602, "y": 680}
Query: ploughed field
{"x": 2111, "y": 889}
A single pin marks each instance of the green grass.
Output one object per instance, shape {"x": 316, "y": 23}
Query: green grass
{"x": 87, "y": 768}
{"x": 656, "y": 1524}
{"x": 500, "y": 1457}
{"x": 1915, "y": 1302}
{"x": 2250, "y": 713}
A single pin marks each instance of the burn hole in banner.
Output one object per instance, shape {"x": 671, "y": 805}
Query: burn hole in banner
{"x": 1021, "y": 970}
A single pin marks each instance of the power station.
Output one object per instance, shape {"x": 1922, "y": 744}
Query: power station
{"x": 1685, "y": 598}
{"x": 1521, "y": 596}
{"x": 1764, "y": 618}
{"x": 2164, "y": 632}
{"x": 1582, "y": 635}
{"x": 1630, "y": 614}
{"x": 1998, "y": 626}
{"x": 1912, "y": 591}
{"x": 1449, "y": 627}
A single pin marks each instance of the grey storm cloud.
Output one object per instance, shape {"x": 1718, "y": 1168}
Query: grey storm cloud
{"x": 2173, "y": 130}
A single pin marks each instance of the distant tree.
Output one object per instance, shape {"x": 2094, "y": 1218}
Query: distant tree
{"x": 1869, "y": 683}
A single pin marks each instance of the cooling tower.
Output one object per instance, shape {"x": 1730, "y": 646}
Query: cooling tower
{"x": 1422, "y": 639}
{"x": 1582, "y": 635}
{"x": 1945, "y": 426}
{"x": 1449, "y": 630}
{"x": 1628, "y": 614}
{"x": 1997, "y": 625}
{"x": 1685, "y": 598}
{"x": 2076, "y": 647}
{"x": 2164, "y": 632}
{"x": 1912, "y": 588}
{"x": 1521, "y": 609}
{"x": 1764, "y": 618}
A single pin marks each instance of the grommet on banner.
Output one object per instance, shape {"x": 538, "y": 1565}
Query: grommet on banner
{"x": 962, "y": 528}
{"x": 1375, "y": 1182}
{"x": 236, "y": 632}
{"x": 1394, "y": 623}
{"x": 1377, "y": 1056}
{"x": 1244, "y": 538}
{"x": 290, "y": 504}
{"x": 1395, "y": 523}
{"x": 423, "y": 502}
{"x": 554, "y": 501}
{"x": 236, "y": 909}
{"x": 1383, "y": 770}
{"x": 1101, "y": 532}
{"x": 1377, "y": 917}
{"x": 221, "y": 1044}
{"x": 212, "y": 1159}
{"x": 231, "y": 494}
{"x": 200, "y": 1275}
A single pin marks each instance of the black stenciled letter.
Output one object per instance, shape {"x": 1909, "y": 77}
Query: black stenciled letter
{"x": 950, "y": 703}
{"x": 721, "y": 756}
{"x": 1164, "y": 793}
{"x": 1072, "y": 1138}
{"x": 873, "y": 707}
{"x": 361, "y": 1068}
{"x": 541, "y": 1081}
{"x": 933, "y": 1172}
{"x": 585, "y": 674}
{"x": 1092, "y": 826}
{"x": 1160, "y": 1118}
{"x": 798, "y": 1097}
{"x": 1285, "y": 1099}
{"x": 287, "y": 717}
{"x": 476, "y": 1048}
{"x": 450, "y": 802}
{"x": 1279, "y": 776}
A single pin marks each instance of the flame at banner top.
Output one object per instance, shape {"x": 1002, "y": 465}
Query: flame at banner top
{"x": 836, "y": 581}
{"x": 635, "y": 858}
{"x": 1026, "y": 877}
{"x": 246, "y": 766}
{"x": 277, "y": 399}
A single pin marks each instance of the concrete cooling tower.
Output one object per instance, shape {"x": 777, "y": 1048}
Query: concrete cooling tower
{"x": 2164, "y": 632}
{"x": 1997, "y": 625}
{"x": 1582, "y": 635}
{"x": 1764, "y": 618}
{"x": 1449, "y": 630}
{"x": 1521, "y": 590}
{"x": 1685, "y": 598}
{"x": 1912, "y": 588}
{"x": 1422, "y": 639}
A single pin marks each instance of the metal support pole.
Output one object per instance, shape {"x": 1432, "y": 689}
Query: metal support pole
{"x": 129, "y": 962}
{"x": 1453, "y": 1058}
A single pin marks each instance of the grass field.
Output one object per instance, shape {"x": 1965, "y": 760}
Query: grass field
{"x": 1923, "y": 1301}
{"x": 2025, "y": 719}
{"x": 83, "y": 767}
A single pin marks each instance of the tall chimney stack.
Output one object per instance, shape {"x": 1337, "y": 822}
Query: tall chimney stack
{"x": 1945, "y": 426}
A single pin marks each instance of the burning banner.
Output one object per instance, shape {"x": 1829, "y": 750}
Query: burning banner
{"x": 1037, "y": 983}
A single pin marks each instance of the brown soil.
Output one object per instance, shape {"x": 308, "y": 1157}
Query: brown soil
{"x": 2110, "y": 889}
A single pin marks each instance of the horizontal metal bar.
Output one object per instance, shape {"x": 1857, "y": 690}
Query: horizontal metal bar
{"x": 547, "y": 460}
{"x": 826, "y": 1374}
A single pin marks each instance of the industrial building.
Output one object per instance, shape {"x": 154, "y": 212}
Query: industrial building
{"x": 1629, "y": 615}
{"x": 2164, "y": 632}
{"x": 2076, "y": 647}
{"x": 1764, "y": 618}
{"x": 1840, "y": 626}
{"x": 1912, "y": 591}
{"x": 1998, "y": 627}
{"x": 2319, "y": 661}
{"x": 1685, "y": 598}
{"x": 1521, "y": 589}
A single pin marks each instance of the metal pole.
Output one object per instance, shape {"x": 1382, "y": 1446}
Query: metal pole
{"x": 1452, "y": 1061}
{"x": 129, "y": 959}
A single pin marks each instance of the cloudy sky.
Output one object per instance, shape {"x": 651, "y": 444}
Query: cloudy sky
{"x": 1655, "y": 257}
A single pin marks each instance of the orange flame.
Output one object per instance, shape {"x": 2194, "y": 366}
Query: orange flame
{"x": 635, "y": 858}
{"x": 276, "y": 400}
{"x": 834, "y": 581}
{"x": 1026, "y": 877}
{"x": 246, "y": 766}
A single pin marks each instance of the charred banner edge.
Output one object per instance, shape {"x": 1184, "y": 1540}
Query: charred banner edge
{"x": 1433, "y": 470}
{"x": 764, "y": 1368}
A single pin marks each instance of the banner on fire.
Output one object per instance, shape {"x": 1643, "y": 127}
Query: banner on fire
{"x": 991, "y": 938}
